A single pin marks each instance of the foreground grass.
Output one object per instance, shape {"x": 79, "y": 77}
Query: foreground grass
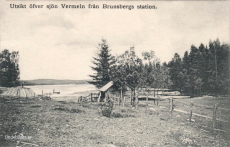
{"x": 66, "y": 123}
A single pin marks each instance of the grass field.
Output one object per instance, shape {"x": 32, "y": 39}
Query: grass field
{"x": 68, "y": 123}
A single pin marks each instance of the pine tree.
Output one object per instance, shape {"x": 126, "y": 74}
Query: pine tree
{"x": 195, "y": 79}
{"x": 185, "y": 71}
{"x": 175, "y": 72}
{"x": 103, "y": 62}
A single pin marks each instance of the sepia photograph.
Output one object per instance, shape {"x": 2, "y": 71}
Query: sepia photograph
{"x": 114, "y": 73}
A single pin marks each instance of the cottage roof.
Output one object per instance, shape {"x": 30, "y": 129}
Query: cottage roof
{"x": 110, "y": 84}
{"x": 107, "y": 86}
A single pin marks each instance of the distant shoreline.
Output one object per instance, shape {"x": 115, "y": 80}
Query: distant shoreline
{"x": 55, "y": 84}
{"x": 51, "y": 82}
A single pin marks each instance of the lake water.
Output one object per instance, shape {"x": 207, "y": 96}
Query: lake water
{"x": 65, "y": 90}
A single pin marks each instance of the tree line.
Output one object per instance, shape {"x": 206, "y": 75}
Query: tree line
{"x": 202, "y": 70}
{"x": 9, "y": 68}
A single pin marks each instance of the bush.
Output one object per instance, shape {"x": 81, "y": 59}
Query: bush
{"x": 107, "y": 108}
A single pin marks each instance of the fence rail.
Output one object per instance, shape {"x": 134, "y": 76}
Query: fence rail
{"x": 191, "y": 107}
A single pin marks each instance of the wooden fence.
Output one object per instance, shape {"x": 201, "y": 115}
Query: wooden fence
{"x": 190, "y": 111}
{"x": 92, "y": 97}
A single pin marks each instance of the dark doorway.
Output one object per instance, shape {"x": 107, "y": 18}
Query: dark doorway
{"x": 102, "y": 96}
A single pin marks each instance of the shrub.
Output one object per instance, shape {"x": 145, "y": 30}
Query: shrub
{"x": 107, "y": 108}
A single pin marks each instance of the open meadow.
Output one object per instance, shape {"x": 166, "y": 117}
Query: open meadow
{"x": 81, "y": 124}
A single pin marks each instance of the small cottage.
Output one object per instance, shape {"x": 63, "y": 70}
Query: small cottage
{"x": 109, "y": 91}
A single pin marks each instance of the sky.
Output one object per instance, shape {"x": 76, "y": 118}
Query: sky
{"x": 60, "y": 43}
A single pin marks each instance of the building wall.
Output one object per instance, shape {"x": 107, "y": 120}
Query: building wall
{"x": 115, "y": 94}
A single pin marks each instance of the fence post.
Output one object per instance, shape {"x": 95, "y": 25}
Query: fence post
{"x": 171, "y": 106}
{"x": 98, "y": 100}
{"x": 214, "y": 120}
{"x": 91, "y": 97}
{"x": 124, "y": 101}
{"x": 190, "y": 116}
{"x": 214, "y": 116}
{"x": 147, "y": 98}
{"x": 131, "y": 97}
{"x": 42, "y": 92}
{"x": 137, "y": 102}
{"x": 120, "y": 98}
